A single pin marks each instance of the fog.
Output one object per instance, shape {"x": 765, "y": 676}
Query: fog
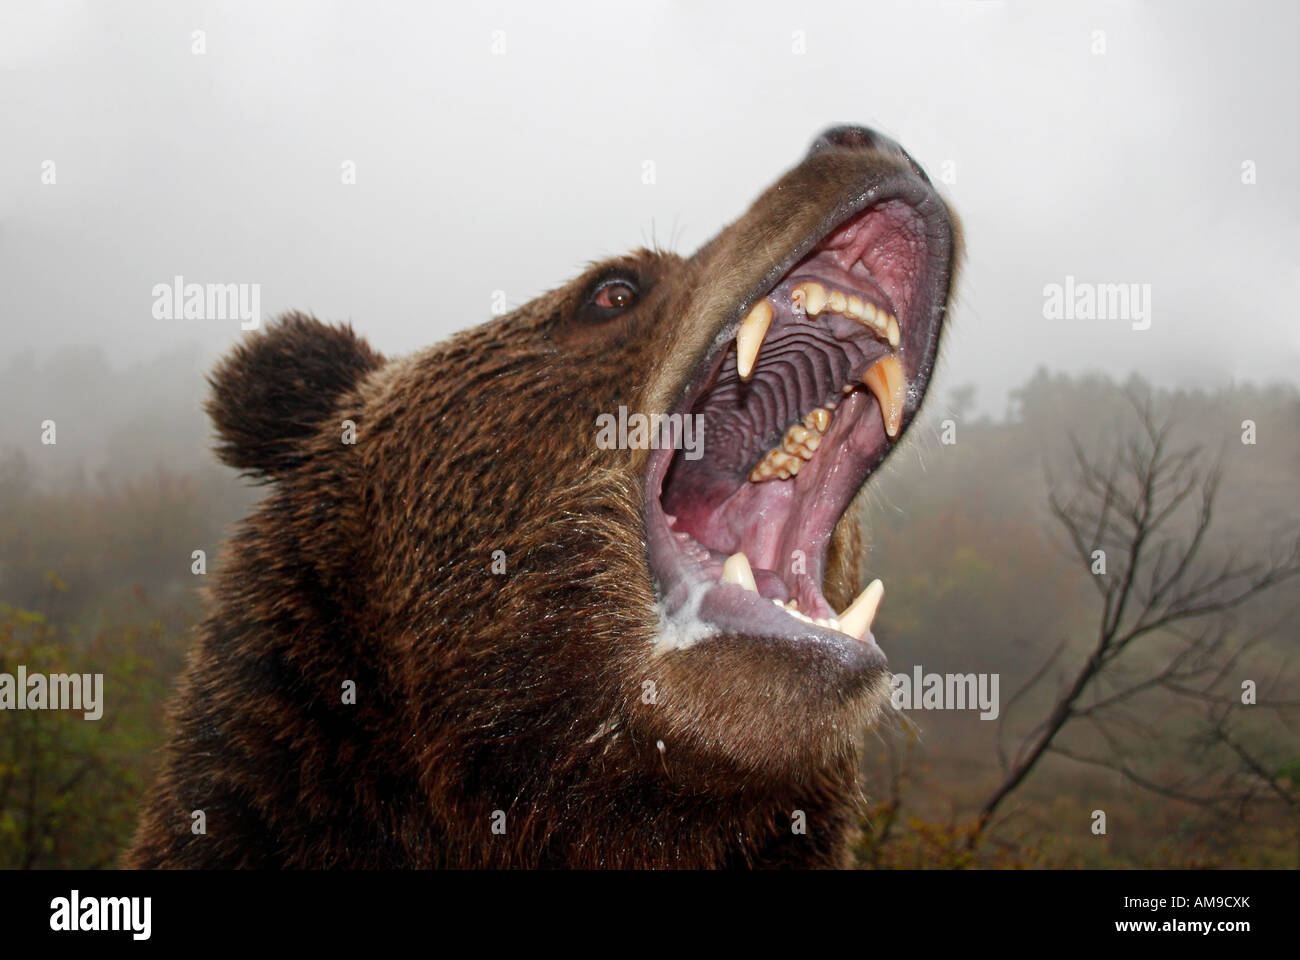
{"x": 502, "y": 148}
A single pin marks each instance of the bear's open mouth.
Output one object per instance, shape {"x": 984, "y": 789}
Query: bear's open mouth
{"x": 798, "y": 407}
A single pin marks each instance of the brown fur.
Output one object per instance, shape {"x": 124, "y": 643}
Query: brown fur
{"x": 479, "y": 692}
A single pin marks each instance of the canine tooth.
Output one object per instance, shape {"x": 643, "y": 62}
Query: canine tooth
{"x": 894, "y": 333}
{"x": 737, "y": 570}
{"x": 836, "y": 301}
{"x": 749, "y": 338}
{"x": 856, "y": 619}
{"x": 888, "y": 382}
{"x": 811, "y": 296}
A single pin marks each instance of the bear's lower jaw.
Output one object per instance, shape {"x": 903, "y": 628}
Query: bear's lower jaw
{"x": 824, "y": 372}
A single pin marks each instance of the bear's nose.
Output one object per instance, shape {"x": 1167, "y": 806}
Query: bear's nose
{"x": 855, "y": 137}
{"x": 849, "y": 136}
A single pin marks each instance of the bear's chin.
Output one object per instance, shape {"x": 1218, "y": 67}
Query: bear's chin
{"x": 743, "y": 710}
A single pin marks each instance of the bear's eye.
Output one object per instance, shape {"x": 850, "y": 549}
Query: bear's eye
{"x": 608, "y": 302}
{"x": 616, "y": 295}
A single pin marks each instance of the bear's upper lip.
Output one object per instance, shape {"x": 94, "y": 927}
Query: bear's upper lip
{"x": 802, "y": 395}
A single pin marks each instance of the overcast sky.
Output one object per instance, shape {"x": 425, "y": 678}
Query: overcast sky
{"x": 479, "y": 170}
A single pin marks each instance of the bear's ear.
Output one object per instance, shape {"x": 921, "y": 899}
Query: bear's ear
{"x": 278, "y": 386}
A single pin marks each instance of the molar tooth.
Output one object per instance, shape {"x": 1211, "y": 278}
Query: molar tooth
{"x": 749, "y": 338}
{"x": 888, "y": 382}
{"x": 737, "y": 570}
{"x": 811, "y": 296}
{"x": 794, "y": 438}
{"x": 796, "y": 448}
{"x": 856, "y": 619}
{"x": 836, "y": 301}
{"x": 855, "y": 308}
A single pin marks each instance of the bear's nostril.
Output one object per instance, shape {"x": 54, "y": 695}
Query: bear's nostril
{"x": 855, "y": 137}
{"x": 847, "y": 135}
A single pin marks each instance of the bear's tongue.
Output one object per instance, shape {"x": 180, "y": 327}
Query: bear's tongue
{"x": 780, "y": 513}
{"x": 797, "y": 411}
{"x": 796, "y": 416}
{"x": 769, "y": 529}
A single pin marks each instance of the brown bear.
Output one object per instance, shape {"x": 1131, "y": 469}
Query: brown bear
{"x": 577, "y": 587}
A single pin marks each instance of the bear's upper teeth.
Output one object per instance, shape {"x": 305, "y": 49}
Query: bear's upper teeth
{"x": 797, "y": 446}
{"x": 749, "y": 338}
{"x": 813, "y": 298}
{"x": 888, "y": 382}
